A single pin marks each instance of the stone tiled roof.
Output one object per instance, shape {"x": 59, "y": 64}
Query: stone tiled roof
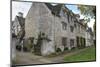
{"x": 49, "y": 6}
{"x": 54, "y": 9}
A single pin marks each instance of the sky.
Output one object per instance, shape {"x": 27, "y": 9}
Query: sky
{"x": 74, "y": 8}
{"x": 25, "y": 6}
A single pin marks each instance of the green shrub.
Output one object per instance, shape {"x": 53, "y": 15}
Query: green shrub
{"x": 28, "y": 45}
{"x": 58, "y": 50}
{"x": 73, "y": 48}
{"x": 66, "y": 48}
{"x": 18, "y": 47}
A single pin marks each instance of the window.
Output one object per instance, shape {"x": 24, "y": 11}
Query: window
{"x": 71, "y": 42}
{"x": 64, "y": 26}
{"x": 64, "y": 41}
{"x": 69, "y": 18}
{"x": 62, "y": 13}
{"x": 75, "y": 25}
{"x": 71, "y": 28}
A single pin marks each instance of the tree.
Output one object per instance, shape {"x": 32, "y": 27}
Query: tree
{"x": 94, "y": 27}
{"x": 88, "y": 12}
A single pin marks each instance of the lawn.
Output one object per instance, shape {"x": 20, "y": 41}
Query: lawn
{"x": 89, "y": 54}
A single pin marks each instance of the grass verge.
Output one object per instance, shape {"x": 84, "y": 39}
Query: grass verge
{"x": 89, "y": 54}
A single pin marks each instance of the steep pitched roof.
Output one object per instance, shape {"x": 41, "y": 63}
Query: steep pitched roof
{"x": 54, "y": 9}
{"x": 21, "y": 21}
{"x": 49, "y": 6}
{"x": 57, "y": 9}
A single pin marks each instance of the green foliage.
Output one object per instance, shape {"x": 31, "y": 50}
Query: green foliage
{"x": 94, "y": 27}
{"x": 66, "y": 48}
{"x": 73, "y": 48}
{"x": 18, "y": 47}
{"x": 88, "y": 11}
{"x": 28, "y": 46}
{"x": 58, "y": 50}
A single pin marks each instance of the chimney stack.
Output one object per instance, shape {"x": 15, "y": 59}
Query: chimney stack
{"x": 20, "y": 14}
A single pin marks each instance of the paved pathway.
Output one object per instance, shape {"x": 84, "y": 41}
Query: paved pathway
{"x": 29, "y": 58}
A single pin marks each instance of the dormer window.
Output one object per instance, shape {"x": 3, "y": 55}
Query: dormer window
{"x": 71, "y": 28}
{"x": 64, "y": 26}
{"x": 63, "y": 13}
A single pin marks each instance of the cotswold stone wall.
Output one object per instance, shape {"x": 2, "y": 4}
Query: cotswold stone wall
{"x": 40, "y": 19}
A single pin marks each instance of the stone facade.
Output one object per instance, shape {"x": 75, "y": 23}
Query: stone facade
{"x": 59, "y": 27}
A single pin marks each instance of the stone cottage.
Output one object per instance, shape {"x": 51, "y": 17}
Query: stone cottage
{"x": 51, "y": 27}
{"x": 56, "y": 23}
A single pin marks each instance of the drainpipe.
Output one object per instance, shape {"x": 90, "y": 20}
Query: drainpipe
{"x": 54, "y": 30}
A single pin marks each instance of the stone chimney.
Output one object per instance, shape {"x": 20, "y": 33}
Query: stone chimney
{"x": 20, "y": 14}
